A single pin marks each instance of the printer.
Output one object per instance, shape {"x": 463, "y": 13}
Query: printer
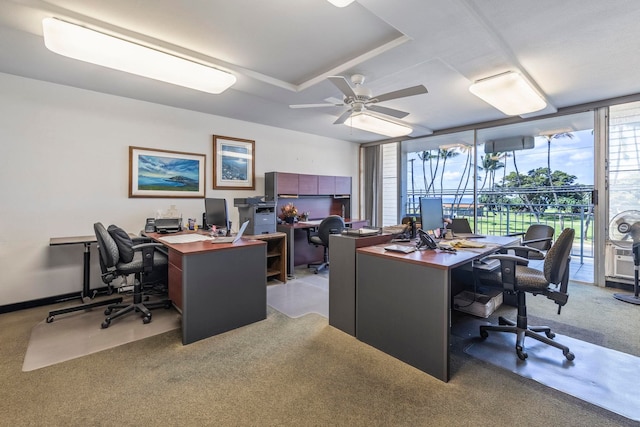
{"x": 168, "y": 225}
{"x": 260, "y": 214}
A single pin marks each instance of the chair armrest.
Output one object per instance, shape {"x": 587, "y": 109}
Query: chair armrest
{"x": 147, "y": 253}
{"x": 542, "y": 239}
{"x": 506, "y": 257}
{"x": 522, "y": 233}
{"x": 522, "y": 251}
{"x": 138, "y": 240}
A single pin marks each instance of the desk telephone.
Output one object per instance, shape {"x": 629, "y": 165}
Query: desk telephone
{"x": 424, "y": 240}
{"x": 150, "y": 225}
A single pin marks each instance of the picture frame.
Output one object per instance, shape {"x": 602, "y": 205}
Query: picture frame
{"x": 165, "y": 173}
{"x": 233, "y": 163}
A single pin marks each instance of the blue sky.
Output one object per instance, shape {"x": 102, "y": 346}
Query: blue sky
{"x": 573, "y": 156}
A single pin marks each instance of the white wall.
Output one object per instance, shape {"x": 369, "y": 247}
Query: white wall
{"x": 64, "y": 165}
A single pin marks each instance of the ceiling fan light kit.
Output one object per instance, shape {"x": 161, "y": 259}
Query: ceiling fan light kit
{"x": 370, "y": 123}
{"x": 97, "y": 48}
{"x": 510, "y": 93}
{"x": 363, "y": 110}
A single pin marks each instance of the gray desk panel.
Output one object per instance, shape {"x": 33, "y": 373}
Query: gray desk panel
{"x": 403, "y": 310}
{"x": 223, "y": 290}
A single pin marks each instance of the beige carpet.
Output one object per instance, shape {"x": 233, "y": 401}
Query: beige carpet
{"x": 77, "y": 334}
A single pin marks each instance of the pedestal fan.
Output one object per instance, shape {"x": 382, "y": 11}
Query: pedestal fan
{"x": 624, "y": 232}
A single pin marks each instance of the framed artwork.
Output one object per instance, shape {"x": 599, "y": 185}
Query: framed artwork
{"x": 233, "y": 163}
{"x": 163, "y": 173}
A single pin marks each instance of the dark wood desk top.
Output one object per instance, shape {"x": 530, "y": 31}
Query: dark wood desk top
{"x": 202, "y": 246}
{"x": 303, "y": 224}
{"x": 442, "y": 259}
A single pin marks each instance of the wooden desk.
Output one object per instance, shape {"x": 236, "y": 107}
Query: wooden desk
{"x": 217, "y": 287}
{"x": 297, "y": 238}
{"x": 404, "y": 302}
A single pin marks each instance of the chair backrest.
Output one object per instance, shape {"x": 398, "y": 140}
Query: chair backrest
{"x": 460, "y": 225}
{"x": 107, "y": 248}
{"x": 333, "y": 224}
{"x": 557, "y": 260}
{"x": 539, "y": 231}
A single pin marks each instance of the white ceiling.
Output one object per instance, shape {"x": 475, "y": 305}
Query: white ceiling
{"x": 574, "y": 51}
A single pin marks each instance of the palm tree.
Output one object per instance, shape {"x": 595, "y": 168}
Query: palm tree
{"x": 446, "y": 153}
{"x": 467, "y": 171}
{"x": 549, "y": 138}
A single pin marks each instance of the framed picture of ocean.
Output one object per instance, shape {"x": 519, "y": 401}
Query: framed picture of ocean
{"x": 164, "y": 173}
{"x": 233, "y": 163}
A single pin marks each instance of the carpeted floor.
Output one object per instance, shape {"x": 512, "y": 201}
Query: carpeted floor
{"x": 287, "y": 371}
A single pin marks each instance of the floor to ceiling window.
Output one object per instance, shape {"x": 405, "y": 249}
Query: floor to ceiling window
{"x": 532, "y": 172}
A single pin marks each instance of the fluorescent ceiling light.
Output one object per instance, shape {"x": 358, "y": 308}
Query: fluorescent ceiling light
{"x": 510, "y": 93}
{"x": 370, "y": 123}
{"x": 340, "y": 3}
{"x": 91, "y": 46}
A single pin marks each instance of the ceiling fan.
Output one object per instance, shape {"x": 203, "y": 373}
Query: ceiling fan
{"x": 624, "y": 232}
{"x": 360, "y": 98}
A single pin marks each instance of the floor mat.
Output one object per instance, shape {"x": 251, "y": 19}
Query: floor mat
{"x": 77, "y": 334}
{"x": 297, "y": 298}
{"x": 598, "y": 375}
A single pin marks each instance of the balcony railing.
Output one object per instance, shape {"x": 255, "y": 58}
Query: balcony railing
{"x": 509, "y": 218}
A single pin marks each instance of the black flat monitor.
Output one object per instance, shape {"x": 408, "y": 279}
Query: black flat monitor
{"x": 215, "y": 213}
{"x": 431, "y": 213}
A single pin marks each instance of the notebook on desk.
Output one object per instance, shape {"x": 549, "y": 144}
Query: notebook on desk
{"x": 232, "y": 239}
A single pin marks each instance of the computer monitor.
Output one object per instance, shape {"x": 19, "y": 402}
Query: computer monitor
{"x": 215, "y": 213}
{"x": 431, "y": 213}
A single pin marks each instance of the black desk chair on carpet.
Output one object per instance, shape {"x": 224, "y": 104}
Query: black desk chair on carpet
{"x": 516, "y": 277}
{"x": 537, "y": 236}
{"x": 333, "y": 224}
{"x": 122, "y": 256}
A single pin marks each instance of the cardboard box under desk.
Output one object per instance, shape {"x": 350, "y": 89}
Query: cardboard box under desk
{"x": 481, "y": 305}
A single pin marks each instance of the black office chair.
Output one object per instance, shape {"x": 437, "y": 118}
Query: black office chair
{"x": 333, "y": 224}
{"x": 122, "y": 256}
{"x": 516, "y": 277}
{"x": 460, "y": 225}
{"x": 537, "y": 236}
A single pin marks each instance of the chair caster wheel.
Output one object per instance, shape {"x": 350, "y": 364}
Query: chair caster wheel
{"x": 49, "y": 319}
{"x": 550, "y": 335}
{"x": 146, "y": 320}
{"x": 106, "y": 324}
{"x": 570, "y": 356}
{"x": 484, "y": 334}
{"x": 522, "y": 355}
{"x": 107, "y": 311}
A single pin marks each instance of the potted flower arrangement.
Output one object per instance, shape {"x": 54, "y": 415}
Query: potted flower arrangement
{"x": 289, "y": 213}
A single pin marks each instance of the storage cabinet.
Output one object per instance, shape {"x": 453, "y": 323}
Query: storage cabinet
{"x": 326, "y": 184}
{"x": 308, "y": 185}
{"x": 175, "y": 279}
{"x": 343, "y": 185}
{"x": 293, "y": 184}
{"x": 276, "y": 255}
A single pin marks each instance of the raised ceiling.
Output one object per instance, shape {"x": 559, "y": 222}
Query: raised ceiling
{"x": 574, "y": 51}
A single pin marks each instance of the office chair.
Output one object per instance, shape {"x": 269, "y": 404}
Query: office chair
{"x": 122, "y": 256}
{"x": 460, "y": 225}
{"x": 537, "y": 236}
{"x": 333, "y": 224}
{"x": 516, "y": 277}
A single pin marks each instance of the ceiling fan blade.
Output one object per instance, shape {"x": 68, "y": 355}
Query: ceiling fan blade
{"x": 343, "y": 118}
{"x": 315, "y": 105}
{"x": 402, "y": 93}
{"x": 341, "y": 83}
{"x": 388, "y": 111}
